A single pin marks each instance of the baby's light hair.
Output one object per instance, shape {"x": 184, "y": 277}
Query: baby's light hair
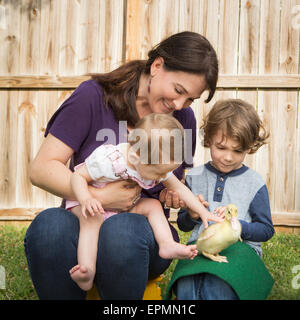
{"x": 161, "y": 136}
{"x": 238, "y": 120}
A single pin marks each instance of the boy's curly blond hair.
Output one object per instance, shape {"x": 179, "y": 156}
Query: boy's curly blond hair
{"x": 238, "y": 120}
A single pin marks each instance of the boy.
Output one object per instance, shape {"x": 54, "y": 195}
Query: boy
{"x": 232, "y": 129}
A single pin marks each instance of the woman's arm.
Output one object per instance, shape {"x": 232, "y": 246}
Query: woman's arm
{"x": 48, "y": 171}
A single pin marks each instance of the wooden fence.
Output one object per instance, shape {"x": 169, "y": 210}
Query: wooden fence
{"x": 48, "y": 47}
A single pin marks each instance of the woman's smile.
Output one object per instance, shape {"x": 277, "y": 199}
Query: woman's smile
{"x": 167, "y": 106}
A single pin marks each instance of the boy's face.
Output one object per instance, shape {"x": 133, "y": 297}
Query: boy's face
{"x": 226, "y": 153}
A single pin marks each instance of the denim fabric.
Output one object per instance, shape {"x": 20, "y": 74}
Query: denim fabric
{"x": 204, "y": 286}
{"x": 127, "y": 256}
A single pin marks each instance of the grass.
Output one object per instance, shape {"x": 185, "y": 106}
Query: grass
{"x": 18, "y": 284}
{"x": 281, "y": 254}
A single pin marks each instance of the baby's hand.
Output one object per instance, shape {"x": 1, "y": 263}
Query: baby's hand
{"x": 92, "y": 206}
{"x": 220, "y": 212}
{"x": 208, "y": 216}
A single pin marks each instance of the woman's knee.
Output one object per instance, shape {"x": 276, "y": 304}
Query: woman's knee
{"x": 52, "y": 226}
{"x": 124, "y": 237}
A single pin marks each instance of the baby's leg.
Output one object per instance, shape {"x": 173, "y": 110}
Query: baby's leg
{"x": 84, "y": 272}
{"x": 168, "y": 248}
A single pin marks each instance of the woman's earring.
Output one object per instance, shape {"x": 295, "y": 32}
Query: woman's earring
{"x": 149, "y": 83}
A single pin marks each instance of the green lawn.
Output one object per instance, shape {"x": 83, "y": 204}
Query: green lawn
{"x": 281, "y": 254}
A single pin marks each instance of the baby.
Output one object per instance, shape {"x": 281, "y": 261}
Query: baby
{"x": 146, "y": 163}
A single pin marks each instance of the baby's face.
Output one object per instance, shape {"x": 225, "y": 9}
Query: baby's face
{"x": 155, "y": 171}
{"x": 226, "y": 154}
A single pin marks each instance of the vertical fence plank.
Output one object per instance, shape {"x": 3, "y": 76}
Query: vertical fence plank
{"x": 67, "y": 37}
{"x": 111, "y": 34}
{"x": 134, "y": 33}
{"x": 289, "y": 40}
{"x": 10, "y": 38}
{"x": 89, "y": 36}
{"x": 30, "y": 36}
{"x": 49, "y": 37}
{"x": 284, "y": 161}
{"x": 159, "y": 20}
{"x": 268, "y": 100}
{"x": 228, "y": 36}
{"x": 249, "y": 37}
{"x": 297, "y": 176}
{"x": 287, "y": 113}
{"x": 27, "y": 101}
{"x": 248, "y": 53}
{"x": 26, "y": 139}
{"x": 8, "y": 144}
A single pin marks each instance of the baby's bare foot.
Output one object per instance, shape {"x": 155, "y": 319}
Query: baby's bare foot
{"x": 174, "y": 250}
{"x": 82, "y": 276}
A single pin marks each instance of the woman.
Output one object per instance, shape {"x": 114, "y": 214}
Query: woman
{"x": 177, "y": 72}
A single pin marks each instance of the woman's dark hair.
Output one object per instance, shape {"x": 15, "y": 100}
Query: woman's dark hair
{"x": 185, "y": 51}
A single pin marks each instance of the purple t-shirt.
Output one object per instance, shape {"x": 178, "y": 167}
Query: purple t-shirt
{"x": 83, "y": 119}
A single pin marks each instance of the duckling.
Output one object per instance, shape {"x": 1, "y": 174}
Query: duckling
{"x": 219, "y": 236}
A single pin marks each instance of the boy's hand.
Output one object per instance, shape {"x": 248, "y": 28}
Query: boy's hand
{"x": 92, "y": 206}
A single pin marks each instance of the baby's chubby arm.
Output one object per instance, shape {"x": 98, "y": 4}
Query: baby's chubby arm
{"x": 190, "y": 200}
{"x": 79, "y": 184}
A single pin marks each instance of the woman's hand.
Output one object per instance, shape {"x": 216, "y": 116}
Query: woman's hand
{"x": 117, "y": 196}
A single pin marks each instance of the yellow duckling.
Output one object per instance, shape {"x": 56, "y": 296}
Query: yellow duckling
{"x": 219, "y": 236}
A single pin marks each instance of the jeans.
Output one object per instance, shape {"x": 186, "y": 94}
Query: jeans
{"x": 127, "y": 256}
{"x": 204, "y": 286}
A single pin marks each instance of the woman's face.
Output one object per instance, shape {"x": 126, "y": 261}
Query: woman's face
{"x": 172, "y": 90}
